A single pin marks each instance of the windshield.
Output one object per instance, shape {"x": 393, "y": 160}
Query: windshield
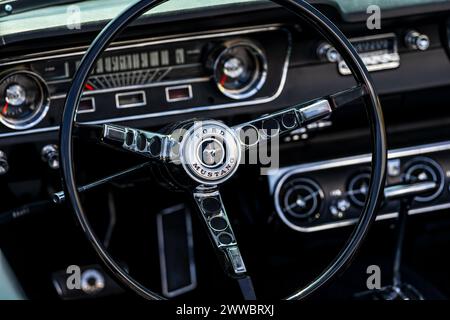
{"x": 18, "y": 16}
{"x": 27, "y": 15}
{"x": 353, "y": 6}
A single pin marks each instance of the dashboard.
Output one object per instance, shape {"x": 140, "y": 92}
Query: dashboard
{"x": 234, "y": 71}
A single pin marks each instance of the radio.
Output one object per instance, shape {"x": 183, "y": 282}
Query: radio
{"x": 379, "y": 52}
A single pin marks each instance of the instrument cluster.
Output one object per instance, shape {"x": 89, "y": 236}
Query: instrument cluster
{"x": 147, "y": 78}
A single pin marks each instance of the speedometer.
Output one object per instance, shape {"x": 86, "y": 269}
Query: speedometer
{"x": 24, "y": 100}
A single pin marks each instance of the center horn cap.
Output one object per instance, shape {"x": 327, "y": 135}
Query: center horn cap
{"x": 210, "y": 152}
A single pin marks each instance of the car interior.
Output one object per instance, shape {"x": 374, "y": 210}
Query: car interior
{"x": 198, "y": 150}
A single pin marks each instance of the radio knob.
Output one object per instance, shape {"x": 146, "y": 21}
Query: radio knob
{"x": 417, "y": 41}
{"x": 4, "y": 165}
{"x": 327, "y": 52}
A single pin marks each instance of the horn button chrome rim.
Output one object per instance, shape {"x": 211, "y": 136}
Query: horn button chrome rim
{"x": 210, "y": 152}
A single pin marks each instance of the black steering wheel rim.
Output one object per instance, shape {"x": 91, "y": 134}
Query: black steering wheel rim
{"x": 374, "y": 112}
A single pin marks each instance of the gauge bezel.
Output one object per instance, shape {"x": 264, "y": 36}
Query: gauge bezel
{"x": 350, "y": 188}
{"x": 291, "y": 212}
{"x": 41, "y": 110}
{"x": 431, "y": 165}
{"x": 292, "y": 221}
{"x": 259, "y": 78}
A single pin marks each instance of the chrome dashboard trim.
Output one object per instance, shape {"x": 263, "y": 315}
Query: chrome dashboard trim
{"x": 131, "y": 105}
{"x": 120, "y": 45}
{"x": 136, "y": 87}
{"x": 277, "y": 176}
{"x": 92, "y": 99}
{"x": 155, "y": 41}
{"x": 188, "y": 87}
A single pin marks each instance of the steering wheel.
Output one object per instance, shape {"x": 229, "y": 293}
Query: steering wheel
{"x": 200, "y": 156}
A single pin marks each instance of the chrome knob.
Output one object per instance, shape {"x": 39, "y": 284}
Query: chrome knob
{"x": 92, "y": 281}
{"x": 417, "y": 41}
{"x": 343, "y": 205}
{"x": 4, "y": 165}
{"x": 50, "y": 154}
{"x": 327, "y": 52}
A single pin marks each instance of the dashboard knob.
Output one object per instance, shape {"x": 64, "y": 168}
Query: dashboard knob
{"x": 343, "y": 205}
{"x": 50, "y": 154}
{"x": 4, "y": 165}
{"x": 92, "y": 281}
{"x": 327, "y": 52}
{"x": 417, "y": 41}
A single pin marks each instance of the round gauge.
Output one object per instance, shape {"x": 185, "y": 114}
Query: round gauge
{"x": 358, "y": 188}
{"x": 240, "y": 69}
{"x": 299, "y": 199}
{"x": 24, "y": 100}
{"x": 424, "y": 170}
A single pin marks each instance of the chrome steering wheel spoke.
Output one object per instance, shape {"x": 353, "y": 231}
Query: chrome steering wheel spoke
{"x": 289, "y": 119}
{"x": 149, "y": 144}
{"x": 60, "y": 196}
{"x": 212, "y": 210}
